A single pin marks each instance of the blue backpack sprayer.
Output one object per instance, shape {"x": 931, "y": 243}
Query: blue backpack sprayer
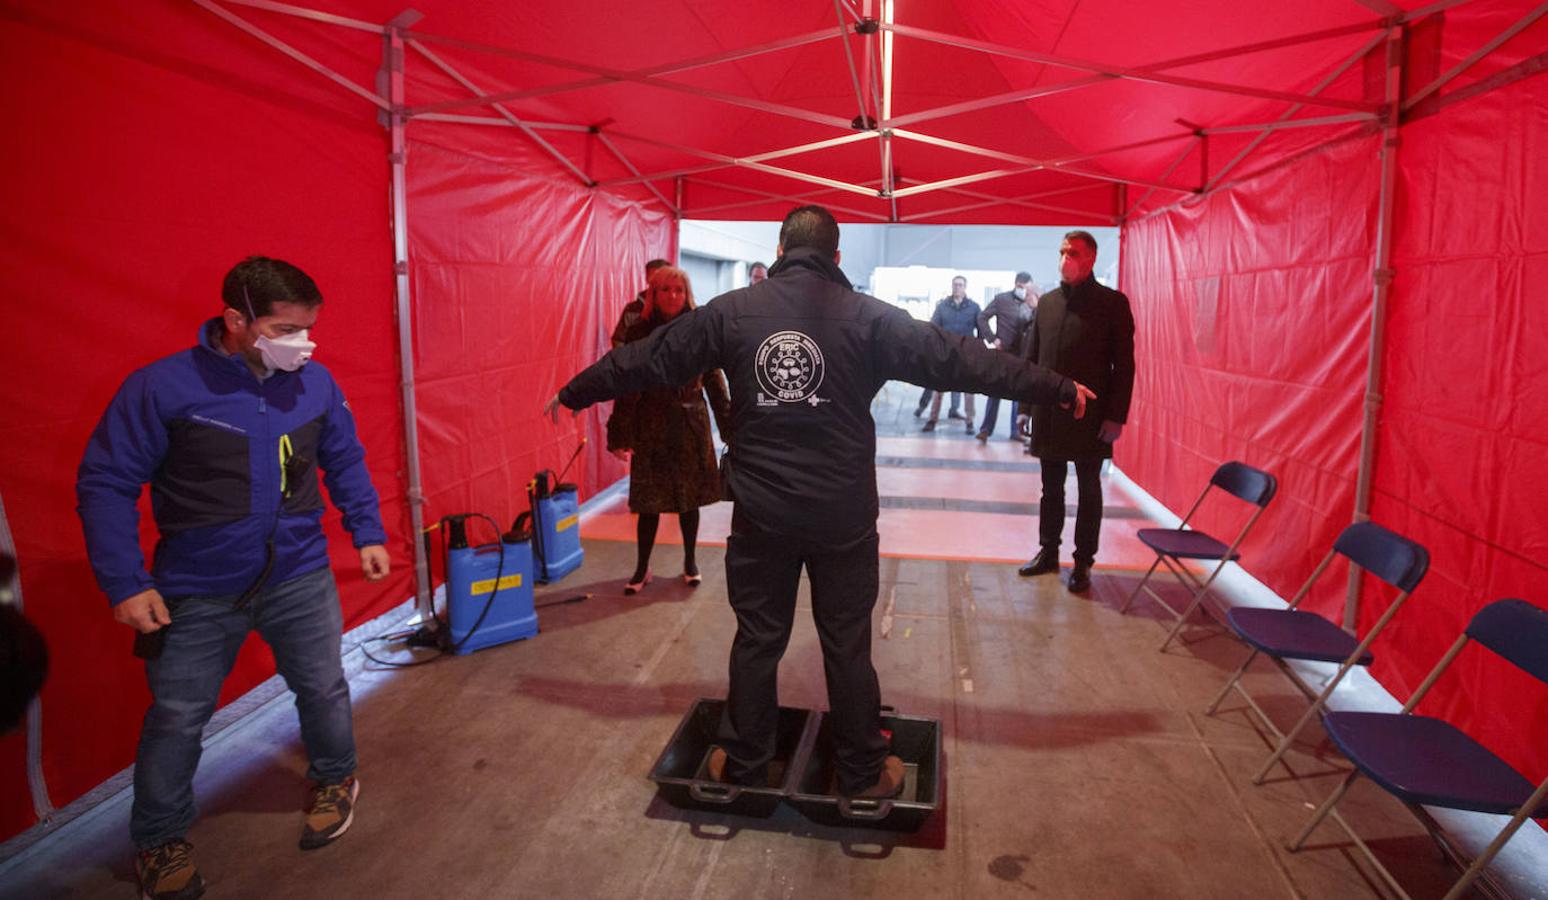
{"x": 488, "y": 588}
{"x": 489, "y": 597}
{"x": 555, "y": 514}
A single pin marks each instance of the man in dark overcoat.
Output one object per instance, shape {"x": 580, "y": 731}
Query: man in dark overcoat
{"x": 1084, "y": 331}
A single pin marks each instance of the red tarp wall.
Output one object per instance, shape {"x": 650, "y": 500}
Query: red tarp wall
{"x": 1464, "y": 426}
{"x": 1253, "y": 316}
{"x": 162, "y": 152}
{"x": 518, "y": 281}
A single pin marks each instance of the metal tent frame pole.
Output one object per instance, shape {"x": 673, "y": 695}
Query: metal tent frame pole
{"x": 1382, "y": 279}
{"x": 392, "y": 70}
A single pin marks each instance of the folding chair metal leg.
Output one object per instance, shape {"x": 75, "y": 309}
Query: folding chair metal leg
{"x": 1230, "y": 684}
{"x": 1317, "y": 704}
{"x": 1139, "y": 587}
{"x": 1181, "y": 621}
{"x": 1326, "y": 810}
{"x": 1285, "y": 741}
{"x": 1383, "y": 871}
{"x": 1198, "y": 600}
{"x": 1322, "y": 811}
{"x": 1322, "y": 699}
{"x": 1506, "y": 833}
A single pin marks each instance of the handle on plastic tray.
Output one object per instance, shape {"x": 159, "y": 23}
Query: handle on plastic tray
{"x": 856, "y": 808}
{"x": 714, "y": 793}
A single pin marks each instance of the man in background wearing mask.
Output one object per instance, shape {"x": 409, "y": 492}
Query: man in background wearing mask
{"x": 1083, "y": 330}
{"x": 1012, "y": 314}
{"x": 230, "y": 435}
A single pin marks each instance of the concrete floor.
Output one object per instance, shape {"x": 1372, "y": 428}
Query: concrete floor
{"x": 1078, "y": 763}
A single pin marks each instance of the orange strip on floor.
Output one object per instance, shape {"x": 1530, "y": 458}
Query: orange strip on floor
{"x": 910, "y": 527}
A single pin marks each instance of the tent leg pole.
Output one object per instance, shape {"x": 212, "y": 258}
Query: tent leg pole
{"x": 677, "y": 221}
{"x": 392, "y": 67}
{"x": 1382, "y": 286}
{"x": 1121, "y": 196}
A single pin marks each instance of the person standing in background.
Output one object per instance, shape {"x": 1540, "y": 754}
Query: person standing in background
{"x": 1012, "y": 315}
{"x": 663, "y": 433}
{"x": 1084, "y": 331}
{"x": 955, "y": 314}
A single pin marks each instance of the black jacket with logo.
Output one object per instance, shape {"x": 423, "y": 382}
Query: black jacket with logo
{"x": 805, "y": 355}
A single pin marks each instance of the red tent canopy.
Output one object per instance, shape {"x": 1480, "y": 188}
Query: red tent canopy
{"x": 1055, "y": 112}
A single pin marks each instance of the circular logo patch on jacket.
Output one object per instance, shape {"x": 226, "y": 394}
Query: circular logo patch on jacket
{"x": 789, "y": 366}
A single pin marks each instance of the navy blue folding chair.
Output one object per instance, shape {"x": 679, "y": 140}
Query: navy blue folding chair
{"x": 1293, "y": 634}
{"x": 1428, "y": 762}
{"x": 1174, "y": 545}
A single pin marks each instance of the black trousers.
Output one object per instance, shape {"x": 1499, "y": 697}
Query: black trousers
{"x": 1088, "y": 510}
{"x": 763, "y": 572}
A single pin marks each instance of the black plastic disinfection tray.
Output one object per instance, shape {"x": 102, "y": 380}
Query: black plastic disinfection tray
{"x": 915, "y": 740}
{"x": 802, "y": 771}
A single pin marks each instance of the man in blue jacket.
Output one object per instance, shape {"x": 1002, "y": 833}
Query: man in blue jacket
{"x": 955, "y": 314}
{"x": 230, "y": 435}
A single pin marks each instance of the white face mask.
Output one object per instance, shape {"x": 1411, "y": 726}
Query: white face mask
{"x": 1021, "y": 293}
{"x": 287, "y": 353}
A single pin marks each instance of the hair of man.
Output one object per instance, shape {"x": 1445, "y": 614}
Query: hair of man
{"x": 810, "y": 226}
{"x": 1079, "y": 235}
{"x": 267, "y": 282}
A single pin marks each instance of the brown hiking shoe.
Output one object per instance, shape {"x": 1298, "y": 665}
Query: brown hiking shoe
{"x": 715, "y": 768}
{"x": 717, "y": 764}
{"x": 167, "y": 872}
{"x": 889, "y": 783}
{"x": 333, "y": 809}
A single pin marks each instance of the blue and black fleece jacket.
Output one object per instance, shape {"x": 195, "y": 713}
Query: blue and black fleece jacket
{"x": 206, "y": 434}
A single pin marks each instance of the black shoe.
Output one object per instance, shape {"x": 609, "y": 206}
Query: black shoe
{"x": 954, "y": 415}
{"x": 929, "y": 426}
{"x": 1044, "y": 562}
{"x": 918, "y": 411}
{"x": 983, "y": 437}
{"x": 1080, "y": 578}
{"x": 969, "y": 426}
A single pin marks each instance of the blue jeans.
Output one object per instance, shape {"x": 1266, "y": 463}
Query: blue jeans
{"x": 302, "y": 623}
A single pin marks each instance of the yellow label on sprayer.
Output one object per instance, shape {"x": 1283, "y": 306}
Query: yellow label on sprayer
{"x": 487, "y": 586}
{"x": 567, "y": 523}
